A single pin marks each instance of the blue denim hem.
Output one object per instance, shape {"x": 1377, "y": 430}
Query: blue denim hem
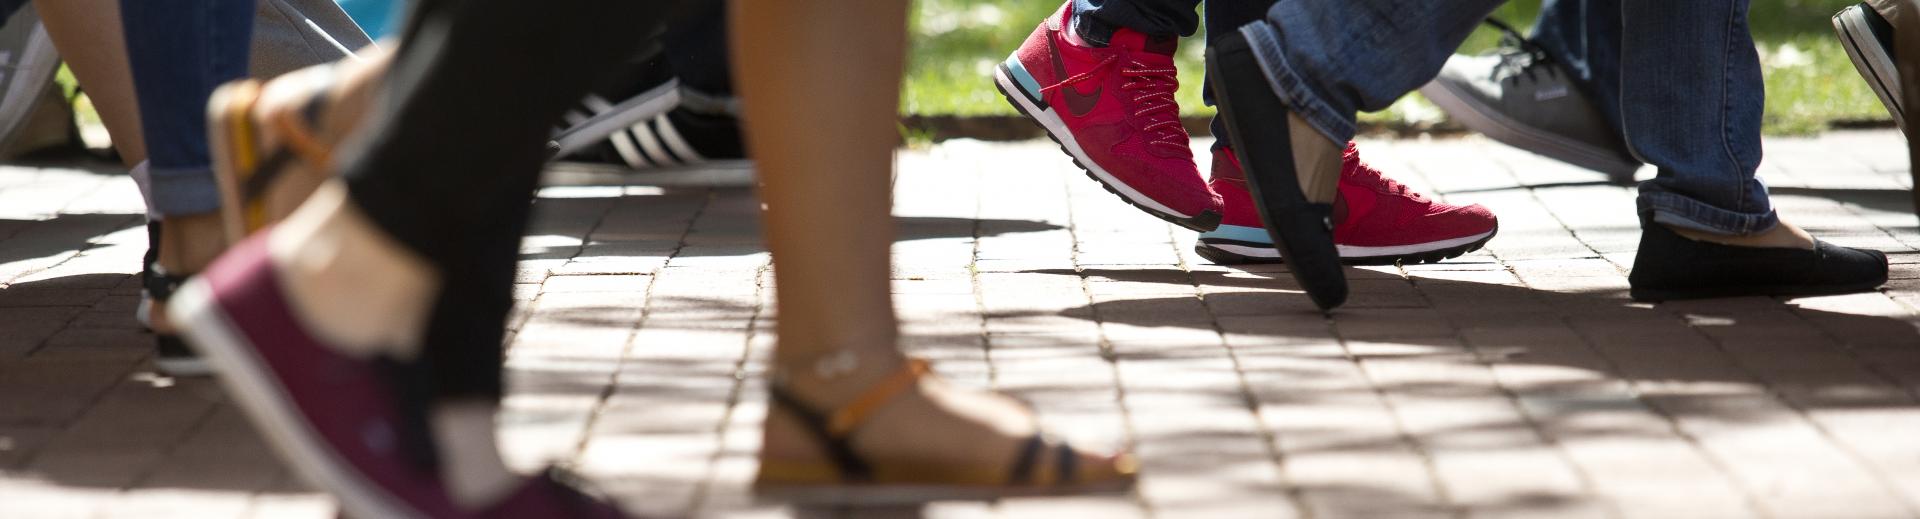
{"x": 184, "y": 191}
{"x": 1679, "y": 211}
{"x": 1291, "y": 89}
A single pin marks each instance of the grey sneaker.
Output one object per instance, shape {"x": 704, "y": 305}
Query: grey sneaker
{"x": 27, "y": 65}
{"x": 1868, "y": 39}
{"x": 1523, "y": 98}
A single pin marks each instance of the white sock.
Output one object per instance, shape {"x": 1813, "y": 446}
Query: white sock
{"x": 470, "y": 455}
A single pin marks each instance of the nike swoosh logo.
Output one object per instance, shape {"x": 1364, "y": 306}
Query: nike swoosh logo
{"x": 1078, "y": 104}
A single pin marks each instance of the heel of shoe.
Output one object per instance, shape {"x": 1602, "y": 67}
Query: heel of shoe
{"x": 1301, "y": 229}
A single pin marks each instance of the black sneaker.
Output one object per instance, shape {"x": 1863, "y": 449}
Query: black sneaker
{"x": 1868, "y": 39}
{"x": 679, "y": 139}
{"x": 638, "y": 94}
{"x": 1669, "y": 266}
{"x": 1520, "y": 96}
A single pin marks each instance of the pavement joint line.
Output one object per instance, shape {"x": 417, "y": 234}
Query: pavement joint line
{"x": 1105, "y": 344}
{"x": 1589, "y": 489}
{"x": 1269, "y": 439}
{"x": 741, "y": 375}
{"x": 606, "y": 392}
{"x": 1804, "y": 416}
{"x": 1749, "y": 496}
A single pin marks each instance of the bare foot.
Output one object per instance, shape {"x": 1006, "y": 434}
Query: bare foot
{"x": 933, "y": 433}
{"x": 1783, "y": 236}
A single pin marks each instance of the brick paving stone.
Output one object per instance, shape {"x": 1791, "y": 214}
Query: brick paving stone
{"x": 1515, "y": 381}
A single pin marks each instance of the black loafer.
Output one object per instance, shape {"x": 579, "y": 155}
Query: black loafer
{"x": 1259, "y": 122}
{"x": 1670, "y": 266}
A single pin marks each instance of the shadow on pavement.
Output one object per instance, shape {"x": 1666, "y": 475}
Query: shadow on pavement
{"x": 23, "y": 239}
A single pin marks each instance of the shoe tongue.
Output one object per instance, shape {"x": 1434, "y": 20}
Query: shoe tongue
{"x": 1137, "y": 41}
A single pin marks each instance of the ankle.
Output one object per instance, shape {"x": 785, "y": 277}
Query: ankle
{"x": 189, "y": 242}
{"x": 360, "y": 289}
{"x": 1782, "y": 236}
{"x": 834, "y": 378}
{"x": 1318, "y": 158}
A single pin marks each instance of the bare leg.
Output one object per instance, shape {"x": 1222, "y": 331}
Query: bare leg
{"x": 820, "y": 102}
{"x": 88, "y": 34}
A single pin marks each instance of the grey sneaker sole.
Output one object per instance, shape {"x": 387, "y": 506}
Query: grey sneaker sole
{"x": 27, "y": 74}
{"x": 1488, "y": 121}
{"x": 716, "y": 173}
{"x": 1869, "y": 58}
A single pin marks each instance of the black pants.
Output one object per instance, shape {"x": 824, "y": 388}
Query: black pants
{"x": 697, "y": 48}
{"x": 454, "y": 153}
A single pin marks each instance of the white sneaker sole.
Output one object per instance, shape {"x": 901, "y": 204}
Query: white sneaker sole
{"x": 267, "y": 405}
{"x": 1872, "y": 61}
{"x": 1354, "y": 254}
{"x": 1056, "y": 128}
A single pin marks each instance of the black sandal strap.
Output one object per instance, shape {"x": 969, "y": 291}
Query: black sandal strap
{"x": 1067, "y": 464}
{"x": 265, "y": 173}
{"x": 159, "y": 285}
{"x": 1022, "y": 470}
{"x": 852, "y": 467}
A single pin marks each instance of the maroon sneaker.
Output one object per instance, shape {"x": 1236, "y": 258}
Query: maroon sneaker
{"x": 1112, "y": 110}
{"x": 1377, "y": 221}
{"x": 341, "y": 422}
{"x": 334, "y": 418}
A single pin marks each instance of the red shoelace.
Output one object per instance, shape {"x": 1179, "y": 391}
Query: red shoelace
{"x": 1370, "y": 177}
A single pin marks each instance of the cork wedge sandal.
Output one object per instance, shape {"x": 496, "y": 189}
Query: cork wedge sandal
{"x": 261, "y": 185}
{"x": 1042, "y": 466}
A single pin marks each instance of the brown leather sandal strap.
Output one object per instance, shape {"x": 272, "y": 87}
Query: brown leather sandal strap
{"x": 301, "y": 139}
{"x": 844, "y": 420}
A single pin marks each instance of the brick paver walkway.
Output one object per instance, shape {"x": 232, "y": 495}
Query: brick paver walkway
{"x": 1518, "y": 381}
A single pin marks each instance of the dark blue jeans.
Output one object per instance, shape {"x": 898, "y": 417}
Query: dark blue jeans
{"x": 1715, "y": 191}
{"x": 1689, "y": 93}
{"x": 180, "y": 50}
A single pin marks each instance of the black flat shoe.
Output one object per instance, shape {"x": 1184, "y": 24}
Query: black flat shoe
{"x": 1670, "y": 266}
{"x": 1260, "y": 123}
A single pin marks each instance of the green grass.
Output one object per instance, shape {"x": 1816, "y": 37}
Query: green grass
{"x": 956, "y": 43}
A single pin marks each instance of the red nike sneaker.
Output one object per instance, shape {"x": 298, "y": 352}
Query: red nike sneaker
{"x": 1376, "y": 221}
{"x": 1112, "y": 110}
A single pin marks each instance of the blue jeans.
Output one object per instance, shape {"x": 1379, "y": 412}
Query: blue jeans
{"x": 1689, "y": 98}
{"x": 179, "y": 51}
{"x": 1151, "y": 17}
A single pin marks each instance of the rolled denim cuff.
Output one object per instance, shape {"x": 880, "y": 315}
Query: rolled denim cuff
{"x": 1287, "y": 84}
{"x": 1678, "y": 210}
{"x": 184, "y": 191}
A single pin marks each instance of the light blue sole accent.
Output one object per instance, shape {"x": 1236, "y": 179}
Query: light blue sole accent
{"x": 1238, "y": 233}
{"x": 1025, "y": 79}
